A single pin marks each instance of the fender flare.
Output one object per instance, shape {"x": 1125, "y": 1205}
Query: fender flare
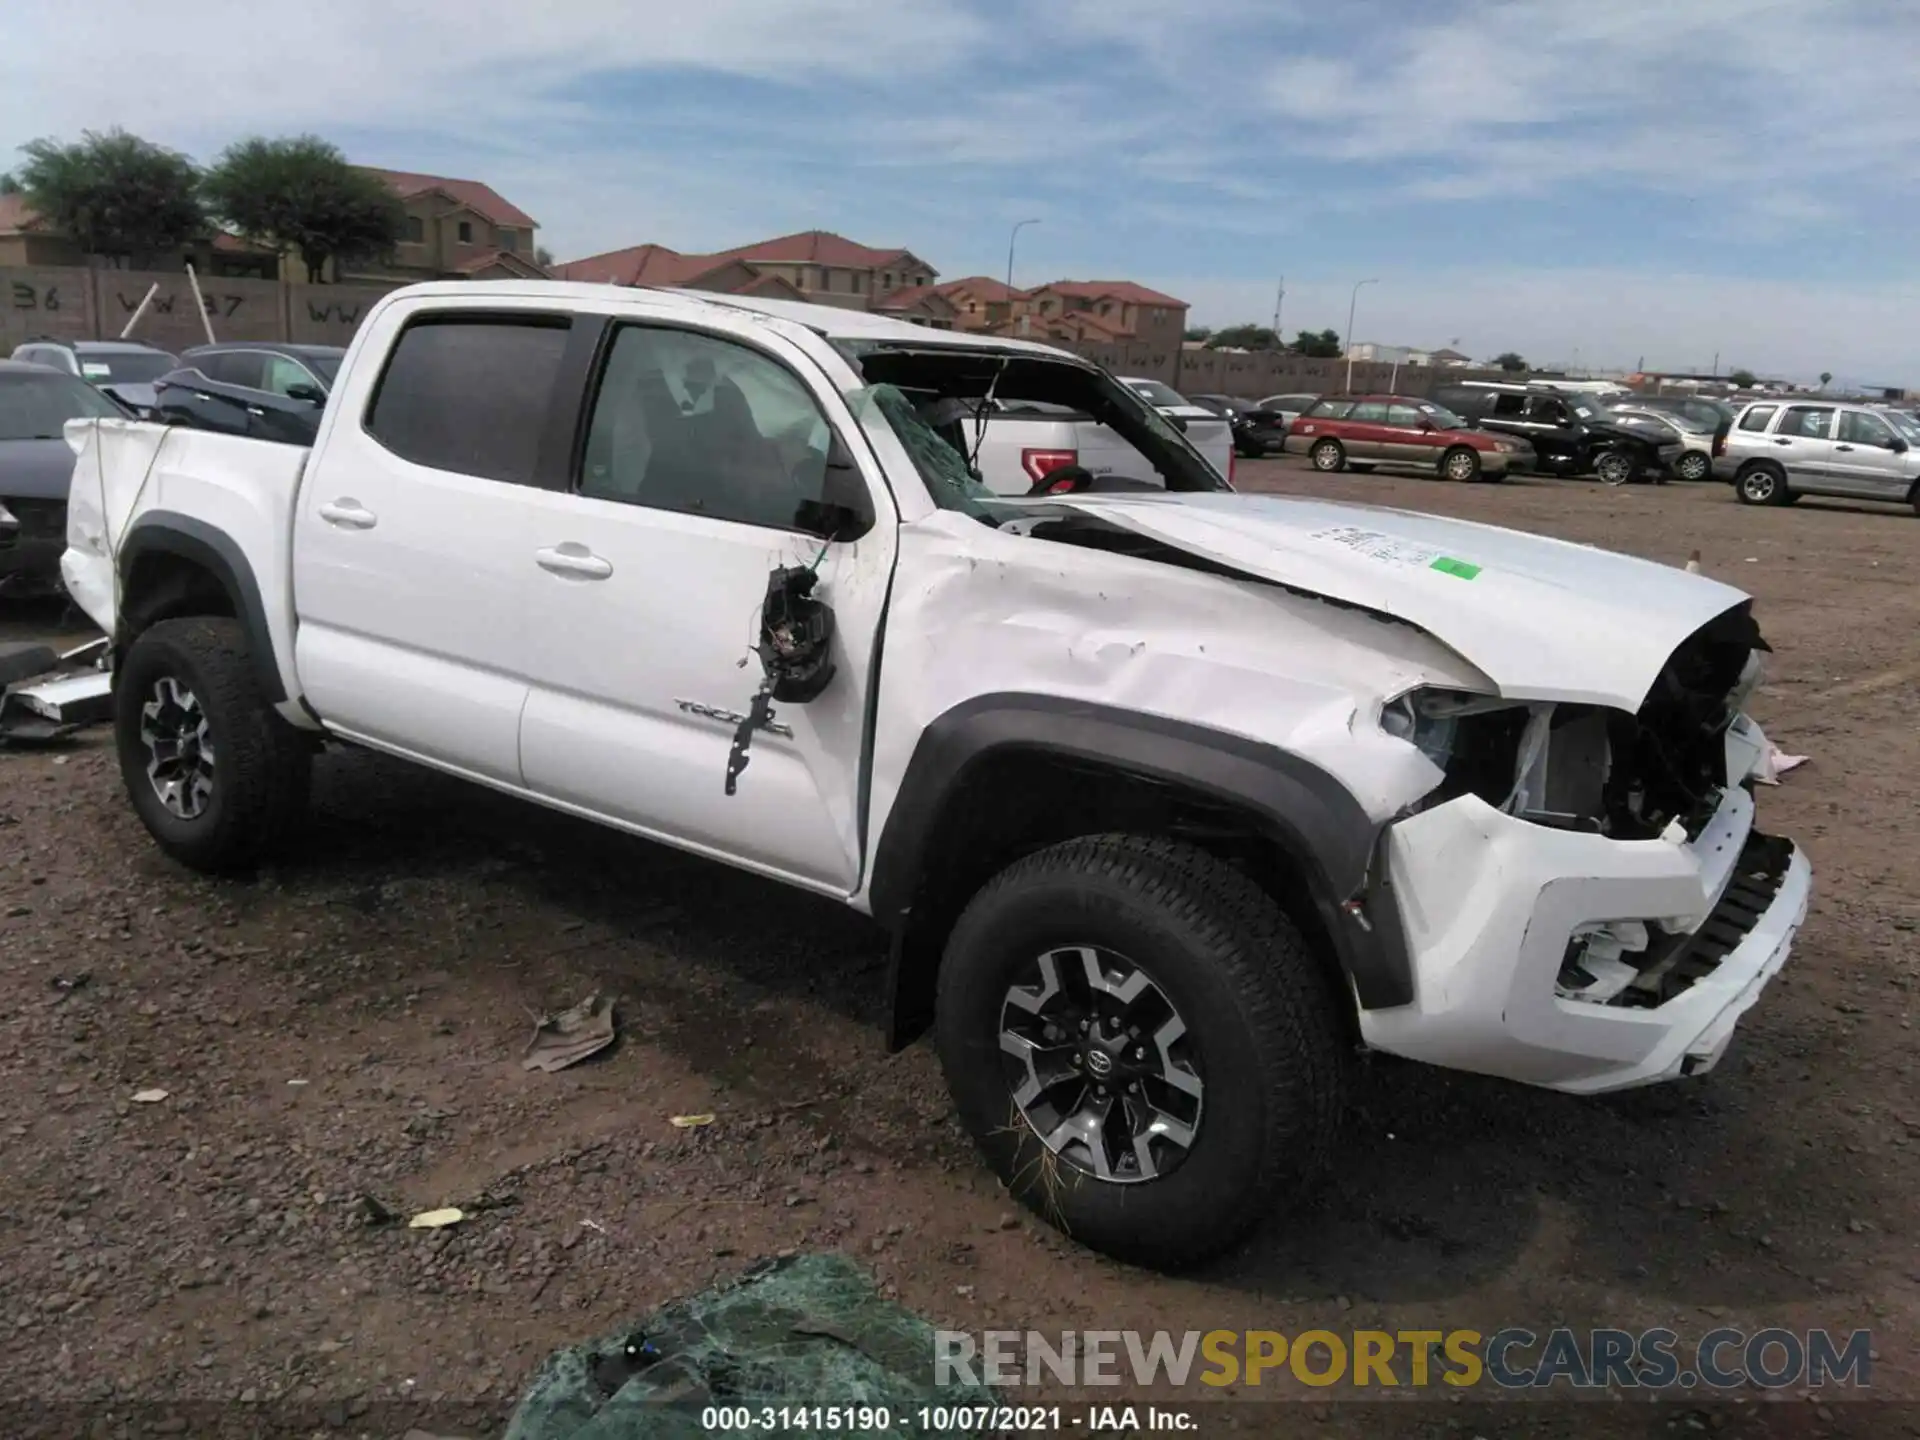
{"x": 166, "y": 532}
{"x": 1334, "y": 846}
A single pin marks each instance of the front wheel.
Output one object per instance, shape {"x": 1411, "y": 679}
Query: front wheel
{"x": 1328, "y": 456}
{"x": 1460, "y": 463}
{"x": 1614, "y": 467}
{"x": 216, "y": 776}
{"x": 1143, "y": 1046}
{"x": 1692, "y": 466}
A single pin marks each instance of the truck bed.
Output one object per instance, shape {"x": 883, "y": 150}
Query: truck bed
{"x": 240, "y": 493}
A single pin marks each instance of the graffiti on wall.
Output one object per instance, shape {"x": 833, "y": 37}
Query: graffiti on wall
{"x": 26, "y": 295}
{"x": 217, "y": 305}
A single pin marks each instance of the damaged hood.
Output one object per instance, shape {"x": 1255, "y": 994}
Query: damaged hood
{"x": 1543, "y": 619}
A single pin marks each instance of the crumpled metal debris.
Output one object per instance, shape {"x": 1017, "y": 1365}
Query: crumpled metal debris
{"x": 571, "y": 1036}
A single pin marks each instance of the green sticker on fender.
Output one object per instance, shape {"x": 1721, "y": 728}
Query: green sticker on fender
{"x": 1447, "y": 565}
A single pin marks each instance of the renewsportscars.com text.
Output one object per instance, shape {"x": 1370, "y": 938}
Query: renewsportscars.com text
{"x": 1512, "y": 1358}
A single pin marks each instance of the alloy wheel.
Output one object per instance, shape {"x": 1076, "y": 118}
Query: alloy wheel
{"x": 1758, "y": 485}
{"x": 1693, "y": 466}
{"x": 180, "y": 756}
{"x": 1460, "y": 466}
{"x": 1101, "y": 1066}
{"x": 1614, "y": 468}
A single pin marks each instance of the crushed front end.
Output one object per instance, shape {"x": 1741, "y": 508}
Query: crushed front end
{"x": 1584, "y": 900}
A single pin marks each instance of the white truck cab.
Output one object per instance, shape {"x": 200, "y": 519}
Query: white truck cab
{"x": 1164, "y": 796}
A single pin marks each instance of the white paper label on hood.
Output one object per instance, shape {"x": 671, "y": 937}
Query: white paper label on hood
{"x": 95, "y": 370}
{"x": 1377, "y": 546}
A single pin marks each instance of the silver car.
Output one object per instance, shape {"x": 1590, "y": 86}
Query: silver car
{"x": 1779, "y": 450}
{"x": 1695, "y": 461}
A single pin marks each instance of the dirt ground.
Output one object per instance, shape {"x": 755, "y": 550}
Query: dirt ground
{"x": 350, "y": 1023}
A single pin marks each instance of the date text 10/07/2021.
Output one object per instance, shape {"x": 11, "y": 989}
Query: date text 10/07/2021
{"x": 945, "y": 1419}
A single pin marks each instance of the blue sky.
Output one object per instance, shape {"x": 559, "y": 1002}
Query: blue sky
{"x": 1598, "y": 182}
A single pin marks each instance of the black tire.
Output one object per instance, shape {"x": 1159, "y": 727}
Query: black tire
{"x": 1328, "y": 456}
{"x": 256, "y": 792}
{"x": 1359, "y": 469}
{"x": 1270, "y": 1043}
{"x": 1462, "y": 463}
{"x": 1694, "y": 465}
{"x": 1761, "y": 483}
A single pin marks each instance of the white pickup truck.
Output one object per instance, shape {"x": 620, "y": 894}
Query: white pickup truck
{"x": 1168, "y": 797}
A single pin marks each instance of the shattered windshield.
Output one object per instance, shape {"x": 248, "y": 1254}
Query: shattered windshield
{"x": 943, "y": 469}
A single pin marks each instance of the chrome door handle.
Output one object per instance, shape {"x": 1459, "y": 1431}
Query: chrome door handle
{"x": 1843, "y": 447}
{"x": 1783, "y": 442}
{"x": 255, "y": 410}
{"x": 574, "y": 561}
{"x": 349, "y": 514}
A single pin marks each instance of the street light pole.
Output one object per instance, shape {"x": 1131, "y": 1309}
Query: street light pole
{"x": 1011, "y": 240}
{"x": 1352, "y": 301}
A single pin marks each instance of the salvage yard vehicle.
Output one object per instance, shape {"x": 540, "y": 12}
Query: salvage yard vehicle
{"x": 1570, "y": 431}
{"x": 35, "y": 464}
{"x": 1776, "y": 452}
{"x": 1359, "y": 432}
{"x": 124, "y": 369}
{"x": 1167, "y": 797}
{"x": 264, "y": 389}
{"x": 1257, "y": 431}
{"x": 1695, "y": 461}
{"x": 1211, "y": 434}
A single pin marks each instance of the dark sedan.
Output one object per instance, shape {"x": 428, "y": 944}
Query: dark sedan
{"x": 36, "y": 466}
{"x": 260, "y": 389}
{"x": 1257, "y": 430}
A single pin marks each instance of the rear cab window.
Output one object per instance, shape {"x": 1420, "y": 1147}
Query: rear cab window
{"x": 1757, "y": 417}
{"x": 469, "y": 392}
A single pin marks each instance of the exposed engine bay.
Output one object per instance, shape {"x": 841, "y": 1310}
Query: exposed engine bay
{"x": 1593, "y": 769}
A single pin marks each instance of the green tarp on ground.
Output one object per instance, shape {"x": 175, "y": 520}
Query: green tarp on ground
{"x": 809, "y": 1330}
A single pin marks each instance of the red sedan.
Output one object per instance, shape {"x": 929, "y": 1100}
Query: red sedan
{"x": 1358, "y": 432}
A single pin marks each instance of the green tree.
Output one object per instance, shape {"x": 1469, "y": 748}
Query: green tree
{"x": 1510, "y": 360}
{"x": 543, "y": 257}
{"x": 9, "y": 185}
{"x": 1243, "y": 337}
{"x": 1742, "y": 379}
{"x": 1324, "y": 345}
{"x": 114, "y": 194}
{"x": 1826, "y": 376}
{"x": 300, "y": 196}
{"x": 1196, "y": 332}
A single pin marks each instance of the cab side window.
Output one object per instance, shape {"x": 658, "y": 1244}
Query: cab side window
{"x": 1757, "y": 416}
{"x": 1403, "y": 416}
{"x": 703, "y": 426}
{"x": 1510, "y": 407}
{"x": 1549, "y": 411}
{"x": 1371, "y": 412}
{"x": 283, "y": 373}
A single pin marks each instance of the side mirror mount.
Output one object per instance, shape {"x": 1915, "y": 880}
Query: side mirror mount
{"x": 844, "y": 511}
{"x": 312, "y": 394}
{"x": 1897, "y": 445}
{"x": 1425, "y": 422}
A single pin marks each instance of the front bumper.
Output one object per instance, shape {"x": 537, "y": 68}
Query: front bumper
{"x": 31, "y": 546}
{"x": 1506, "y": 462}
{"x": 1490, "y": 903}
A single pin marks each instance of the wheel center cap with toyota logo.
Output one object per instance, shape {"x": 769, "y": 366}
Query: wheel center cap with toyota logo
{"x": 1099, "y": 1064}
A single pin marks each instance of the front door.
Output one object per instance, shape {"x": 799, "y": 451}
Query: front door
{"x": 1408, "y": 443}
{"x": 412, "y": 544}
{"x": 645, "y": 583}
{"x": 1802, "y": 440}
{"x": 1864, "y": 462}
{"x": 1365, "y": 430}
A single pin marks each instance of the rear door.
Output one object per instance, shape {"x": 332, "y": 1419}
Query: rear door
{"x": 1864, "y": 462}
{"x": 1802, "y": 441}
{"x": 643, "y": 583}
{"x": 1365, "y": 430}
{"x": 416, "y": 528}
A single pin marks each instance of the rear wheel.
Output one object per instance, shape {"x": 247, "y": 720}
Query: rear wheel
{"x": 1328, "y": 455}
{"x": 216, "y": 776}
{"x": 1761, "y": 484}
{"x": 1461, "y": 463}
{"x": 1144, "y": 1047}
